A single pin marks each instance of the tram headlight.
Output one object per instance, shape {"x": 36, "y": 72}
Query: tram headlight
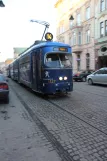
{"x": 65, "y": 78}
{"x": 60, "y": 78}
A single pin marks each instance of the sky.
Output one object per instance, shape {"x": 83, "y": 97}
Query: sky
{"x": 16, "y": 30}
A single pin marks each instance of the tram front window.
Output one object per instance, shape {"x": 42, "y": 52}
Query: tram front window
{"x": 58, "y": 60}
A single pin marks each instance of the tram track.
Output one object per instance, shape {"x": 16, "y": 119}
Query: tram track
{"x": 76, "y": 116}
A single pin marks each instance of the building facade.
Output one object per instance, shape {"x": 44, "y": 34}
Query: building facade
{"x": 79, "y": 32}
{"x": 8, "y": 61}
{"x": 101, "y": 33}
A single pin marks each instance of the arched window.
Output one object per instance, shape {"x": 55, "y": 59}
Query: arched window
{"x": 78, "y": 62}
{"x": 87, "y": 61}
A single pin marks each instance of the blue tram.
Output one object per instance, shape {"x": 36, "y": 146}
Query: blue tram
{"x": 46, "y": 67}
{"x": 8, "y": 71}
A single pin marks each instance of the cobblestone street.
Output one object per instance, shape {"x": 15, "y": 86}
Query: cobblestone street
{"x": 71, "y": 127}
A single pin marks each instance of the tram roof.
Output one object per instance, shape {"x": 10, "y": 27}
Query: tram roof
{"x": 53, "y": 43}
{"x": 44, "y": 44}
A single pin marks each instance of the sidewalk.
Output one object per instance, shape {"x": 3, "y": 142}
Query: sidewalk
{"x": 20, "y": 138}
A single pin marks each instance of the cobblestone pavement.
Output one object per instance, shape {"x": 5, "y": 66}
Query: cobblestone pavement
{"x": 80, "y": 129}
{"x": 88, "y": 103}
{"x": 20, "y": 137}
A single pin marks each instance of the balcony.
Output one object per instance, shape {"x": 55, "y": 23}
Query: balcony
{"x": 77, "y": 48}
{"x": 102, "y": 14}
{"x": 102, "y": 39}
{"x": 76, "y": 25}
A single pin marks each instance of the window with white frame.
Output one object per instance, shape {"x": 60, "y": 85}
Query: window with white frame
{"x": 87, "y": 36}
{"x": 102, "y": 5}
{"x": 106, "y": 3}
{"x": 78, "y": 19}
{"x": 106, "y": 28}
{"x": 74, "y": 38}
{"x": 71, "y": 41}
{"x": 61, "y": 29}
{"x": 101, "y": 29}
{"x": 79, "y": 38}
{"x": 87, "y": 13}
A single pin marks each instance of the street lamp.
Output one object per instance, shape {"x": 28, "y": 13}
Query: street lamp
{"x": 46, "y": 24}
{"x": 71, "y": 20}
{"x": 1, "y": 4}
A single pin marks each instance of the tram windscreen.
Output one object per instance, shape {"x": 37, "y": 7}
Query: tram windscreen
{"x": 58, "y": 60}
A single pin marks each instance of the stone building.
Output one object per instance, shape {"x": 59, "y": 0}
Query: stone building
{"x": 76, "y": 26}
{"x": 101, "y": 33}
{"x": 8, "y": 61}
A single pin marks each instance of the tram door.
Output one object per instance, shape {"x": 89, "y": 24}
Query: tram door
{"x": 36, "y": 71}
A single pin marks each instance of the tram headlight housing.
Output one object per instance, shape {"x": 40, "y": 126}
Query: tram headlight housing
{"x": 60, "y": 78}
{"x": 65, "y": 78}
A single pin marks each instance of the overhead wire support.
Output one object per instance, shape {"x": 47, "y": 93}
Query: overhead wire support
{"x": 46, "y": 24}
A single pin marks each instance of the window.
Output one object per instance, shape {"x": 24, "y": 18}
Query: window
{"x": 78, "y": 20}
{"x": 58, "y": 60}
{"x": 78, "y": 62}
{"x": 87, "y": 36}
{"x": 79, "y": 38}
{"x": 61, "y": 29}
{"x": 106, "y": 28}
{"x": 102, "y": 5}
{"x": 102, "y": 29}
{"x": 100, "y": 72}
{"x": 87, "y": 13}
{"x": 74, "y": 38}
{"x": 2, "y": 78}
{"x": 105, "y": 71}
{"x": 87, "y": 61}
{"x": 106, "y": 3}
{"x": 71, "y": 40}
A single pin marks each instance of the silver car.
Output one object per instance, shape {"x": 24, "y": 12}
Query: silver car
{"x": 98, "y": 77}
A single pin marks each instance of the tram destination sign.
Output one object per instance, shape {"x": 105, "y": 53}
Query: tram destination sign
{"x": 60, "y": 49}
{"x": 63, "y": 49}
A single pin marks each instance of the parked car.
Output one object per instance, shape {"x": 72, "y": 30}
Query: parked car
{"x": 4, "y": 88}
{"x": 81, "y": 76}
{"x": 98, "y": 77}
{"x": 1, "y": 72}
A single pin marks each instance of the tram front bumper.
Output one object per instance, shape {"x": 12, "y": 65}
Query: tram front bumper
{"x": 57, "y": 87}
{"x": 63, "y": 87}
